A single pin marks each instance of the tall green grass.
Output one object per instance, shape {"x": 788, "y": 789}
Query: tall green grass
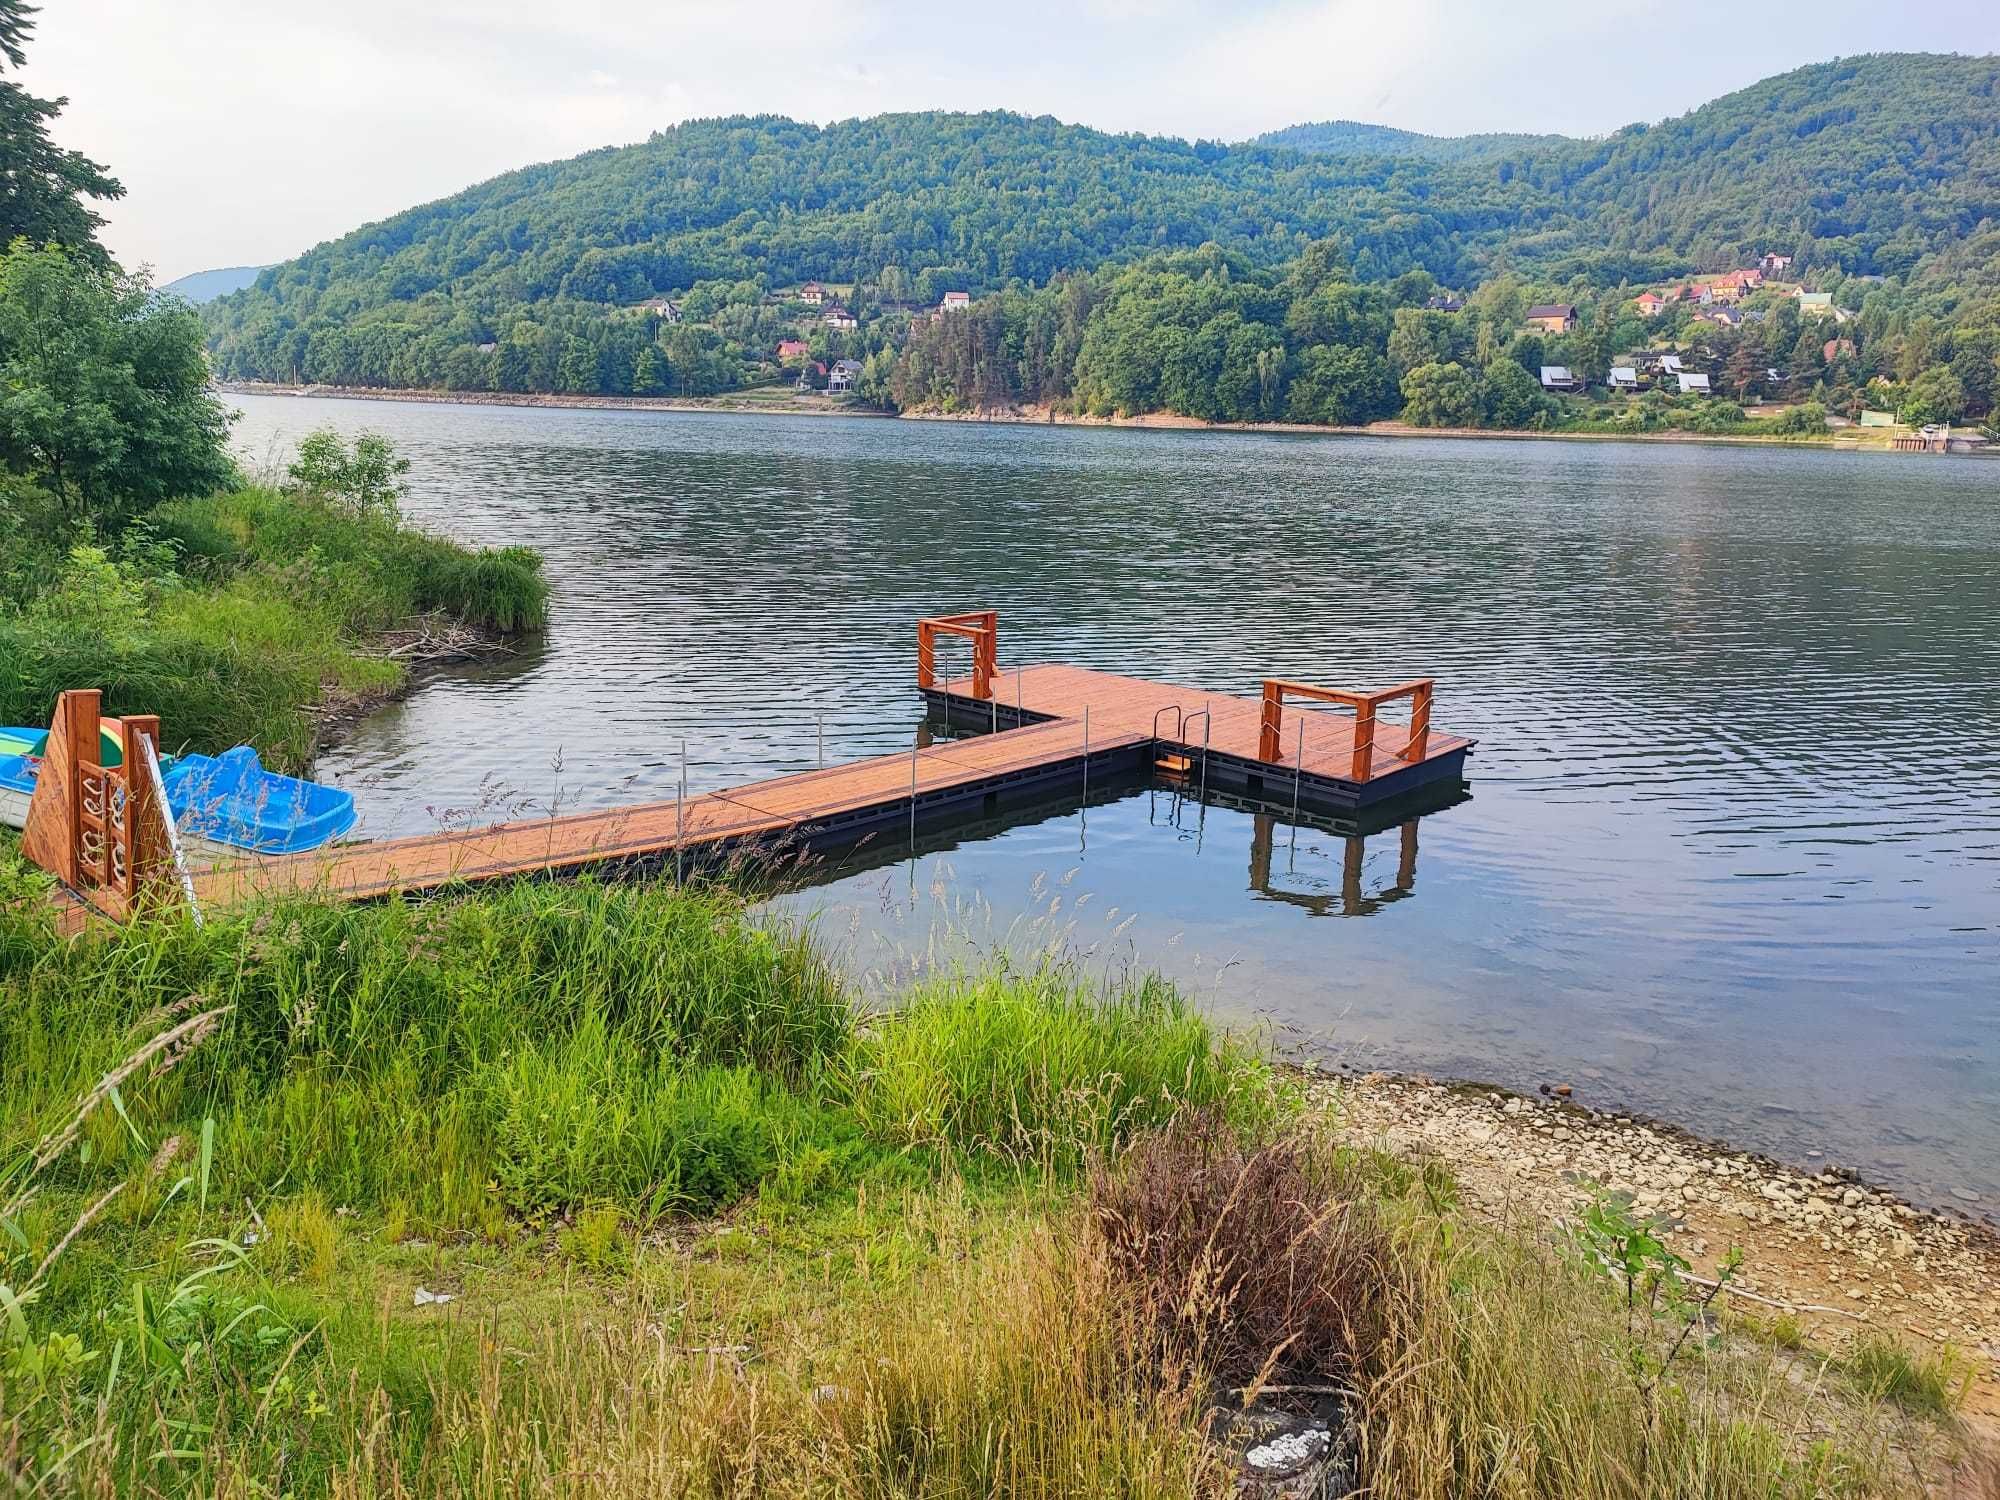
{"x": 710, "y": 1232}
{"x": 532, "y": 1050}
{"x": 232, "y": 616}
{"x": 1042, "y": 1067}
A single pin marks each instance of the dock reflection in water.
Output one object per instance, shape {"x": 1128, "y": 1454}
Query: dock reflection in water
{"x": 1135, "y": 881}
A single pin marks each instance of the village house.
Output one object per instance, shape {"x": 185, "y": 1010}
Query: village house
{"x": 663, "y": 308}
{"x": 812, "y": 293}
{"x": 1649, "y": 304}
{"x": 1692, "y": 385}
{"x": 955, "y": 302}
{"x": 1624, "y": 378}
{"x": 1772, "y": 262}
{"x": 1722, "y": 317}
{"x": 813, "y": 368}
{"x": 1834, "y": 349}
{"x": 1445, "y": 304}
{"x": 791, "y": 349}
{"x": 1552, "y": 317}
{"x": 1819, "y": 304}
{"x": 1558, "y": 378}
{"x": 845, "y": 372}
{"x": 1670, "y": 364}
{"x": 839, "y": 317}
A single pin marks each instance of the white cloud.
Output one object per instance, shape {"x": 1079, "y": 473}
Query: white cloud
{"x": 247, "y": 130}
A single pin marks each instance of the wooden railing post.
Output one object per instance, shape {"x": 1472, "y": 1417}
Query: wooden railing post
{"x": 926, "y": 655}
{"x": 141, "y": 830}
{"x": 1364, "y": 739}
{"x": 985, "y": 654}
{"x": 1269, "y": 745}
{"x": 88, "y": 794}
{"x": 1420, "y": 721}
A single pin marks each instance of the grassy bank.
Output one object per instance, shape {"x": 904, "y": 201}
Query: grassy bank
{"x": 582, "y": 1189}
{"x": 238, "y": 617}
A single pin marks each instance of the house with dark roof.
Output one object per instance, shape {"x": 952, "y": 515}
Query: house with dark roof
{"x": 812, "y": 292}
{"x": 1552, "y": 317}
{"x": 839, "y": 317}
{"x": 843, "y": 375}
{"x": 1446, "y": 304}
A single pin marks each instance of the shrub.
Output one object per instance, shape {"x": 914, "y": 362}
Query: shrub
{"x": 1255, "y": 1263}
{"x": 367, "y": 477}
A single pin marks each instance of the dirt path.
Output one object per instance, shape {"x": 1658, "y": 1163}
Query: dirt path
{"x": 1846, "y": 1257}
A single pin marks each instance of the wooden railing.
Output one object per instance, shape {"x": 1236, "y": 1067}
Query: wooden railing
{"x": 981, "y": 627}
{"x": 99, "y": 829}
{"x": 1270, "y": 740}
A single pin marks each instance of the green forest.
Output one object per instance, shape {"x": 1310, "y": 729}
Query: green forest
{"x": 1883, "y": 166}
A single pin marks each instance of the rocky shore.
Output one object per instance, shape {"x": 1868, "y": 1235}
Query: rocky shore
{"x": 1840, "y": 1256}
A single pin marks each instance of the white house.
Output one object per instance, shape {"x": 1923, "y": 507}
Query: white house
{"x": 1624, "y": 377}
{"x": 956, "y": 302}
{"x": 812, "y": 293}
{"x": 843, "y": 375}
{"x": 838, "y": 317}
{"x": 1670, "y": 364}
{"x": 1693, "y": 385}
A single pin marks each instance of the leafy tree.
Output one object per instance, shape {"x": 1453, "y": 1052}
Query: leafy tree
{"x": 1342, "y": 385}
{"x": 367, "y": 477}
{"x": 1512, "y": 397}
{"x": 1934, "y": 396}
{"x": 103, "y": 387}
{"x": 1440, "y": 395}
{"x": 42, "y": 186}
{"x": 1419, "y": 338}
{"x": 649, "y": 372}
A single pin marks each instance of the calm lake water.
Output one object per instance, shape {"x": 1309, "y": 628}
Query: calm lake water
{"x": 1732, "y": 854}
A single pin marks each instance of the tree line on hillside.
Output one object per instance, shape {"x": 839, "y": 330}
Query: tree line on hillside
{"x": 1204, "y": 334}
{"x": 1873, "y": 165}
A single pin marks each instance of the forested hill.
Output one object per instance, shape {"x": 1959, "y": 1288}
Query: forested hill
{"x": 1878, "y": 164}
{"x": 1353, "y": 138}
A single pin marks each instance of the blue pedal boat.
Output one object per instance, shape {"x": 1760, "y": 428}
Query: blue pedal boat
{"x": 228, "y": 801}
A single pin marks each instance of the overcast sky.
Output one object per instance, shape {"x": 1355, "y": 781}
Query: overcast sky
{"x": 246, "y": 131}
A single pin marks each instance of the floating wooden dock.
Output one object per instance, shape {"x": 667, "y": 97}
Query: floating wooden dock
{"x": 1020, "y": 734}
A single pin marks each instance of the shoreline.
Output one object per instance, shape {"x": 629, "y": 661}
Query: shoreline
{"x": 820, "y": 406}
{"x": 1839, "y": 1255}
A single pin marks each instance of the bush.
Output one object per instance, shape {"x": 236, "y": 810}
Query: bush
{"x": 1254, "y": 1264}
{"x": 1807, "y": 419}
{"x": 367, "y": 478}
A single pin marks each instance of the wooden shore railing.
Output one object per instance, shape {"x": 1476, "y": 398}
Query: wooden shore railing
{"x": 1270, "y": 742}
